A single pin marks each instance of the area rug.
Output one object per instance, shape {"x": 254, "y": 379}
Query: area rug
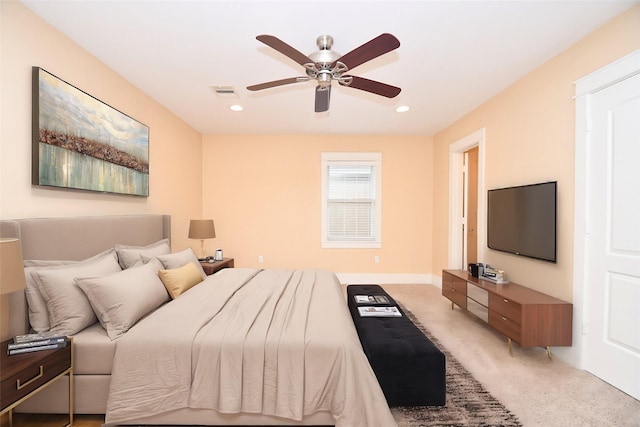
{"x": 467, "y": 403}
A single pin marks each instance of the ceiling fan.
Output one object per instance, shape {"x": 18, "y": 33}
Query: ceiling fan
{"x": 326, "y": 66}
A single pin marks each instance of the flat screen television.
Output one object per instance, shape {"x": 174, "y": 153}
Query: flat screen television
{"x": 521, "y": 220}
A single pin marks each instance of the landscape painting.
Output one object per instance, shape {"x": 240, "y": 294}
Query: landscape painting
{"x": 82, "y": 143}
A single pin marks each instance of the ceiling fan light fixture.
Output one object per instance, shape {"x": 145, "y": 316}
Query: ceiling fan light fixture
{"x": 324, "y": 78}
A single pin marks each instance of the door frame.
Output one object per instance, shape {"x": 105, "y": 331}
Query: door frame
{"x": 585, "y": 87}
{"x": 456, "y": 196}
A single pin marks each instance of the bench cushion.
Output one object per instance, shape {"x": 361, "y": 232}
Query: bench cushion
{"x": 409, "y": 367}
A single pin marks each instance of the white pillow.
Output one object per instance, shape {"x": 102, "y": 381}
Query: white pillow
{"x": 121, "y": 299}
{"x": 37, "y": 307}
{"x": 68, "y": 308}
{"x": 178, "y": 259}
{"x": 131, "y": 256}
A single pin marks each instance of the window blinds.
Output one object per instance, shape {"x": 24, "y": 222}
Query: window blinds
{"x": 351, "y": 202}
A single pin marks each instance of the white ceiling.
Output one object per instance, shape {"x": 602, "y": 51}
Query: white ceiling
{"x": 454, "y": 55}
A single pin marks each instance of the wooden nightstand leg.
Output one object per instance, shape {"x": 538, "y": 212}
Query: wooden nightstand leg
{"x": 71, "y": 382}
{"x": 10, "y": 417}
{"x": 71, "y": 397}
{"x": 510, "y": 352}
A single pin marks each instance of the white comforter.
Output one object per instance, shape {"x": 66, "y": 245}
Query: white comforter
{"x": 274, "y": 342}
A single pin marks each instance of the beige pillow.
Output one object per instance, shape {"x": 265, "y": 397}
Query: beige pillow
{"x": 38, "y": 314}
{"x": 130, "y": 256}
{"x": 68, "y": 308}
{"x": 179, "y": 280}
{"x": 121, "y": 299}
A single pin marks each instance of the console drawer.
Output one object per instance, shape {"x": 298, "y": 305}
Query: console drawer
{"x": 505, "y": 326}
{"x": 454, "y": 289}
{"x": 460, "y": 286}
{"x": 479, "y": 295}
{"x": 478, "y": 309}
{"x": 506, "y": 308}
{"x": 455, "y": 296}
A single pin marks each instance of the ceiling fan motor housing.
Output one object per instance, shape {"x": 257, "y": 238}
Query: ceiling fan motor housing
{"x": 323, "y": 59}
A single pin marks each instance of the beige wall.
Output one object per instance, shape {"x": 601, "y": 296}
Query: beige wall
{"x": 175, "y": 167}
{"x": 264, "y": 193}
{"x": 530, "y": 138}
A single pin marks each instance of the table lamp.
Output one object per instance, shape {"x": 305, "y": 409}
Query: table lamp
{"x": 11, "y": 277}
{"x": 202, "y": 229}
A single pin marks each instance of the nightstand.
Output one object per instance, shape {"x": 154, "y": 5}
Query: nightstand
{"x": 211, "y": 267}
{"x": 24, "y": 375}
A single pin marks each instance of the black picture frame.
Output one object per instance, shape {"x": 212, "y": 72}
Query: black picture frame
{"x": 81, "y": 143}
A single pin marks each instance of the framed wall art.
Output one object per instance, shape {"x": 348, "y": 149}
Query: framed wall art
{"x": 82, "y": 143}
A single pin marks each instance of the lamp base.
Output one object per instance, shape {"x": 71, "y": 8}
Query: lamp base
{"x": 4, "y": 317}
{"x": 202, "y": 253}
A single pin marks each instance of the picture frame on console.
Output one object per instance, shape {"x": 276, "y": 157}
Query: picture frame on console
{"x": 81, "y": 143}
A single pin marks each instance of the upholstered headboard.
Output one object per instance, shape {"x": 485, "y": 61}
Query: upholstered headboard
{"x": 76, "y": 238}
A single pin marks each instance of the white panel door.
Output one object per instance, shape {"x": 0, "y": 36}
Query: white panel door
{"x": 613, "y": 252}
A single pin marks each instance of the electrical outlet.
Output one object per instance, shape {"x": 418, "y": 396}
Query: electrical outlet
{"x": 376, "y": 259}
{"x": 260, "y": 259}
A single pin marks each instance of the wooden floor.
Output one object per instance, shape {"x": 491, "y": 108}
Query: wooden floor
{"x": 39, "y": 420}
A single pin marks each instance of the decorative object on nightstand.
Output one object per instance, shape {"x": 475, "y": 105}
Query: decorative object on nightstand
{"x": 11, "y": 277}
{"x": 202, "y": 229}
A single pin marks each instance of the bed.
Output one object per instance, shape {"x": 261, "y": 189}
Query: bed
{"x": 241, "y": 347}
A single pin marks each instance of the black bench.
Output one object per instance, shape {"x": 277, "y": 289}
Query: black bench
{"x": 409, "y": 367}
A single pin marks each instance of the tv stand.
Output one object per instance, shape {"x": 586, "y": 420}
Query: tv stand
{"x": 528, "y": 317}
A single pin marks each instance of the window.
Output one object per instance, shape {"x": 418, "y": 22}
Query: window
{"x": 351, "y": 202}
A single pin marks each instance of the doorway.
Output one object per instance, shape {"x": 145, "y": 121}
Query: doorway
{"x": 471, "y": 206}
{"x": 462, "y": 215}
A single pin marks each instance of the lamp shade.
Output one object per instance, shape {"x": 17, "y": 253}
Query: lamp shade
{"x": 11, "y": 266}
{"x": 202, "y": 229}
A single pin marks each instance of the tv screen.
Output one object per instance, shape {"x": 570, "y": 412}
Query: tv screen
{"x": 522, "y": 220}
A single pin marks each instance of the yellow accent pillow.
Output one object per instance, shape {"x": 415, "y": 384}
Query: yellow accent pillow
{"x": 179, "y": 280}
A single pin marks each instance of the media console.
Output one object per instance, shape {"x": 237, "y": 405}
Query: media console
{"x": 528, "y": 317}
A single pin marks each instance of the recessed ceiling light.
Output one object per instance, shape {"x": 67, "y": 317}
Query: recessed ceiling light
{"x": 236, "y": 108}
{"x": 402, "y": 109}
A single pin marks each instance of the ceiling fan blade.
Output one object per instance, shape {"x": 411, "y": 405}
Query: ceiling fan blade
{"x": 322, "y": 98}
{"x": 372, "y": 86}
{"x": 372, "y": 49}
{"x": 284, "y": 49}
{"x": 275, "y": 83}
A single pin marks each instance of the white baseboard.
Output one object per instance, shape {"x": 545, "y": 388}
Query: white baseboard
{"x": 379, "y": 279}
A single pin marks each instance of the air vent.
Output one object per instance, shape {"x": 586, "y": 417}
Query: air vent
{"x": 225, "y": 91}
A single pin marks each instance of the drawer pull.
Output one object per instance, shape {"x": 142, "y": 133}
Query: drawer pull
{"x": 19, "y": 386}
{"x": 504, "y": 318}
{"x": 506, "y": 300}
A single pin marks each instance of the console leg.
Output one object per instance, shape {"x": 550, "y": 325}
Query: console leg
{"x": 549, "y": 352}
{"x": 510, "y": 352}
{"x": 451, "y": 305}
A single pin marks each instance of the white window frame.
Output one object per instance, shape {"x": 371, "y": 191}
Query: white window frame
{"x": 346, "y": 158}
